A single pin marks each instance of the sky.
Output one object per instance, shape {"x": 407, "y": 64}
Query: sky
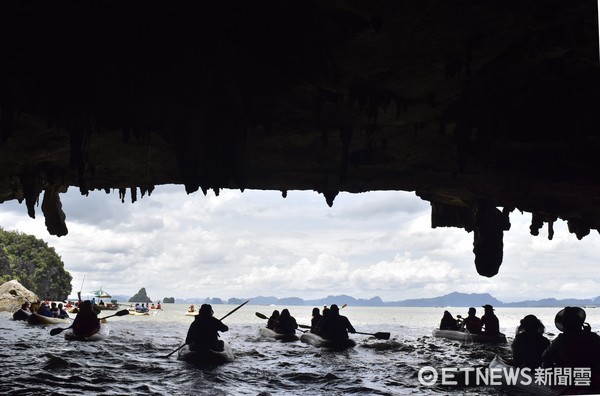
{"x": 259, "y": 243}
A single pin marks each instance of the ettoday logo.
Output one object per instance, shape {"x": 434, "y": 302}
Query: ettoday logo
{"x": 497, "y": 376}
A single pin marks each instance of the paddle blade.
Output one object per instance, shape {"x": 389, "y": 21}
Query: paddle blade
{"x": 122, "y": 312}
{"x": 261, "y": 315}
{"x": 54, "y": 332}
{"x": 382, "y": 336}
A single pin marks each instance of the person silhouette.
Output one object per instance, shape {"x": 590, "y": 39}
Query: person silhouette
{"x": 204, "y": 331}
{"x": 472, "y": 323}
{"x": 448, "y": 322}
{"x": 286, "y": 324}
{"x": 576, "y": 346}
{"x": 529, "y": 343}
{"x": 335, "y": 326}
{"x": 489, "y": 321}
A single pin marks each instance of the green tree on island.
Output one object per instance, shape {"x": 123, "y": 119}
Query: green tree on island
{"x": 34, "y": 264}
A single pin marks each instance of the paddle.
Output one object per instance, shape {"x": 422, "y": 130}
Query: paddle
{"x": 262, "y": 316}
{"x": 58, "y": 331}
{"x": 182, "y": 345}
{"x": 378, "y": 335}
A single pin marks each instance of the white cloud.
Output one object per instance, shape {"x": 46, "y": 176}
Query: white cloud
{"x": 258, "y": 243}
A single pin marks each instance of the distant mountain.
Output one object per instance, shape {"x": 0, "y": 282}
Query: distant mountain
{"x": 454, "y": 299}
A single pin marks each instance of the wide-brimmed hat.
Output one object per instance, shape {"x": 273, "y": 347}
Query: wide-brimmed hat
{"x": 570, "y": 318}
{"x": 488, "y": 306}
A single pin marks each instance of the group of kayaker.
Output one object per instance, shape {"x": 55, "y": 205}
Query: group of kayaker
{"x": 488, "y": 324}
{"x": 41, "y": 308}
{"x": 575, "y": 346}
{"x": 329, "y": 325}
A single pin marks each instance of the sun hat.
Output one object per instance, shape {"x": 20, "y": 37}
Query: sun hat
{"x": 569, "y": 318}
{"x": 488, "y": 306}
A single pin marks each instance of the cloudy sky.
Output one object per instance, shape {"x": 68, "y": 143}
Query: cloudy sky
{"x": 258, "y": 243}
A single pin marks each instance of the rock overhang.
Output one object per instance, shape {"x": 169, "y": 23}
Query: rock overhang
{"x": 480, "y": 109}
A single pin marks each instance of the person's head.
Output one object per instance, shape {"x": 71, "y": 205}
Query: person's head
{"x": 472, "y": 311}
{"x": 60, "y": 306}
{"x": 334, "y": 309}
{"x": 531, "y": 324}
{"x": 326, "y": 311}
{"x": 447, "y": 314}
{"x": 570, "y": 319}
{"x": 275, "y": 314}
{"x": 206, "y": 310}
{"x": 487, "y": 308}
{"x": 316, "y": 312}
{"x": 85, "y": 306}
{"x": 285, "y": 313}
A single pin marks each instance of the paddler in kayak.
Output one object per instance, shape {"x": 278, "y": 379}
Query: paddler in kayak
{"x": 316, "y": 318}
{"x": 86, "y": 322}
{"x": 272, "y": 321}
{"x": 286, "y": 324}
{"x": 204, "y": 331}
{"x": 23, "y": 313}
{"x": 489, "y": 321}
{"x": 335, "y": 326}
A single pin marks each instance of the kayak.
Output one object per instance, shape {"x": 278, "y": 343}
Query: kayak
{"x": 339, "y": 344}
{"x": 132, "y": 312}
{"x": 188, "y": 313}
{"x": 100, "y": 334}
{"x": 37, "y": 319}
{"x": 469, "y": 337}
{"x": 521, "y": 384}
{"x": 280, "y": 337}
{"x": 206, "y": 356}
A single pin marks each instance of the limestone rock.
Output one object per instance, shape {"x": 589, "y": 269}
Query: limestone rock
{"x": 13, "y": 294}
{"x": 140, "y": 296}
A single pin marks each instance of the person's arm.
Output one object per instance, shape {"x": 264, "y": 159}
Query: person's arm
{"x": 349, "y": 326}
{"x": 222, "y": 326}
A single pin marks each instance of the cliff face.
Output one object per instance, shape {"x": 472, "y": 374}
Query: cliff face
{"x": 473, "y": 105}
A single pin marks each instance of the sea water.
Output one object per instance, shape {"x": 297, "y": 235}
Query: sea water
{"x": 132, "y": 360}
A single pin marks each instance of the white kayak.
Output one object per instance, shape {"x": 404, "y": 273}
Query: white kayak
{"x": 101, "y": 334}
{"x": 268, "y": 333}
{"x": 339, "y": 344}
{"x": 465, "y": 336}
{"x": 524, "y": 383}
{"x": 37, "y": 319}
{"x": 206, "y": 356}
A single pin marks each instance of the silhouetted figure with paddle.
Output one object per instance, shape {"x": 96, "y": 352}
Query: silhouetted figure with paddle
{"x": 529, "y": 343}
{"x": 577, "y": 345}
{"x": 272, "y": 321}
{"x": 316, "y": 318}
{"x": 23, "y": 313}
{"x": 490, "y": 321}
{"x": 334, "y": 325}
{"x": 472, "y": 323}
{"x": 204, "y": 331}
{"x": 86, "y": 322}
{"x": 286, "y": 324}
{"x": 448, "y": 322}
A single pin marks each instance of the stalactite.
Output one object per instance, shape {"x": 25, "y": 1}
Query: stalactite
{"x": 54, "y": 216}
{"x": 122, "y": 192}
{"x": 284, "y": 193}
{"x": 31, "y": 191}
{"x": 133, "y": 194}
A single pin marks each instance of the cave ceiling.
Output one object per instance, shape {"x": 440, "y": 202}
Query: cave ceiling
{"x": 480, "y": 108}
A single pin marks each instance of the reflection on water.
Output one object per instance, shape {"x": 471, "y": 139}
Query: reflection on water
{"x": 132, "y": 360}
